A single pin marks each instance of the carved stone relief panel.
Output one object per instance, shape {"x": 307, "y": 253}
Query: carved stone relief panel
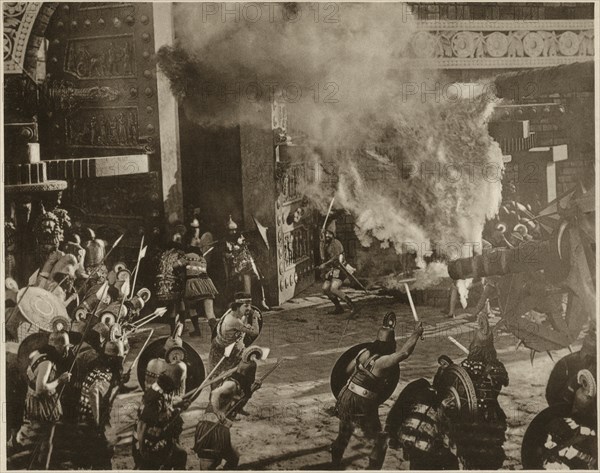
{"x": 100, "y": 96}
{"x": 103, "y": 127}
{"x": 502, "y": 44}
{"x": 110, "y": 57}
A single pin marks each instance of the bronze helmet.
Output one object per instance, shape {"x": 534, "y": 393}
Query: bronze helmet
{"x": 386, "y": 332}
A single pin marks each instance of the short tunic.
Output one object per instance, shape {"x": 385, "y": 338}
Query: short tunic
{"x": 334, "y": 250}
{"x": 198, "y": 285}
{"x": 213, "y": 438}
{"x": 45, "y": 407}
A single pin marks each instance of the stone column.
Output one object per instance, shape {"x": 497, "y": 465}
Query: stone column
{"x": 170, "y": 158}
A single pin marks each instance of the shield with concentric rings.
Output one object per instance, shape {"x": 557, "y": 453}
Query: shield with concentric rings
{"x": 41, "y": 308}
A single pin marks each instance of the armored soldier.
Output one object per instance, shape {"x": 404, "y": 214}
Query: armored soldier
{"x": 240, "y": 320}
{"x": 156, "y": 438}
{"x": 359, "y": 400}
{"x": 99, "y": 390}
{"x": 199, "y": 288}
{"x": 170, "y": 280}
{"x": 564, "y": 435}
{"x": 480, "y": 441}
{"x": 333, "y": 253}
{"x": 457, "y": 421}
{"x": 95, "y": 251}
{"x": 239, "y": 261}
{"x": 213, "y": 435}
{"x": 43, "y": 407}
{"x": 174, "y": 355}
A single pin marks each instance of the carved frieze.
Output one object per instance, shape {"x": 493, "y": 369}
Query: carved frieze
{"x": 106, "y": 57}
{"x": 474, "y": 44}
{"x": 18, "y": 19}
{"x": 103, "y": 127}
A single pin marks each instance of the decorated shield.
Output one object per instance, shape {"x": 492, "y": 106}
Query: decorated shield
{"x": 156, "y": 349}
{"x": 42, "y": 309}
{"x": 534, "y": 451}
{"x": 340, "y": 376}
{"x": 249, "y": 339}
{"x": 456, "y": 390}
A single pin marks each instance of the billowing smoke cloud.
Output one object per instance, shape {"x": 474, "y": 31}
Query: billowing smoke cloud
{"x": 415, "y": 169}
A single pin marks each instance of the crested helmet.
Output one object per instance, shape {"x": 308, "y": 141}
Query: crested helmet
{"x": 386, "y": 332}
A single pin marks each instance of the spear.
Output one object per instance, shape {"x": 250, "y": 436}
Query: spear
{"x": 255, "y": 388}
{"x": 192, "y": 395}
{"x": 141, "y": 351}
{"x": 78, "y": 349}
{"x": 141, "y": 254}
{"x": 205, "y": 383}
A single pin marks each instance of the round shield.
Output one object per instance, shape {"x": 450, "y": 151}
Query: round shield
{"x": 249, "y": 339}
{"x": 39, "y": 340}
{"x": 533, "y": 451}
{"x": 455, "y": 387}
{"x": 339, "y": 375}
{"x": 33, "y": 342}
{"x": 156, "y": 349}
{"x": 40, "y": 307}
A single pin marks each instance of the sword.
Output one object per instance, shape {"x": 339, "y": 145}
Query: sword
{"x": 328, "y": 212}
{"x": 458, "y": 344}
{"x": 412, "y": 306}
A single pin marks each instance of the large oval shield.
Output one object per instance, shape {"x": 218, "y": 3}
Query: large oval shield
{"x": 249, "y": 339}
{"x": 156, "y": 349}
{"x": 339, "y": 376}
{"x": 455, "y": 387}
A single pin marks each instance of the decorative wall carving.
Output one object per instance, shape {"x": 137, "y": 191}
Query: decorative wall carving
{"x": 103, "y": 127}
{"x": 18, "y": 20}
{"x": 64, "y": 96}
{"x": 474, "y": 44}
{"x": 110, "y": 57}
